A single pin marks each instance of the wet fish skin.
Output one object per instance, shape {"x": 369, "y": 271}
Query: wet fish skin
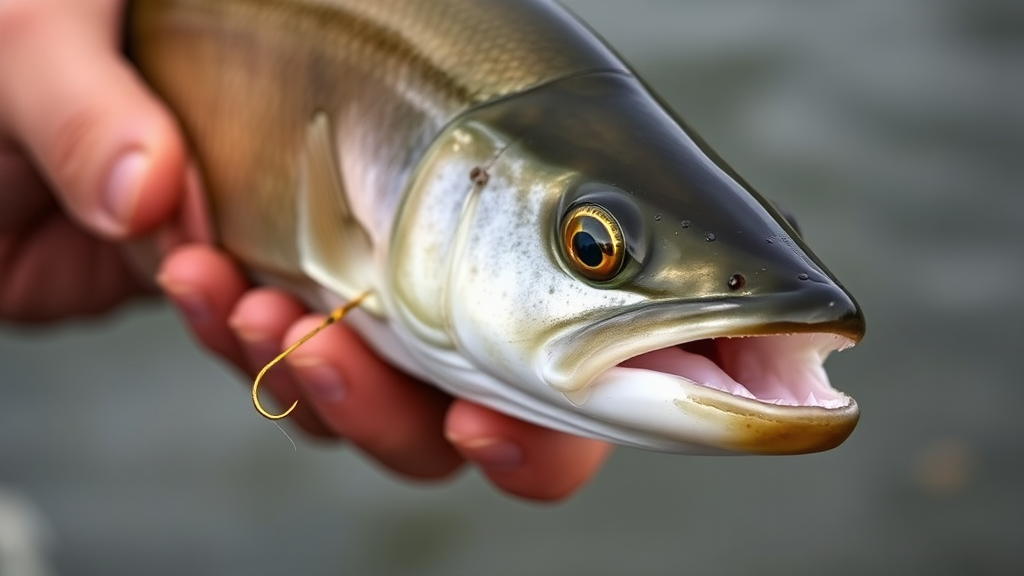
{"x": 245, "y": 77}
{"x": 336, "y": 139}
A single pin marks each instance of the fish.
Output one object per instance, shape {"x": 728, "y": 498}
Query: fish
{"x": 535, "y": 230}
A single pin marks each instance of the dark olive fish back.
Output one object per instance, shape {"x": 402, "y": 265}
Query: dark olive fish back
{"x": 246, "y": 76}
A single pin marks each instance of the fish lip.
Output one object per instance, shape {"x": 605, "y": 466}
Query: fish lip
{"x": 667, "y": 411}
{"x": 671, "y": 408}
{"x": 572, "y": 361}
{"x": 753, "y": 427}
{"x": 723, "y": 422}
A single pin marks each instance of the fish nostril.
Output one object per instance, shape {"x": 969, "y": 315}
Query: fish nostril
{"x": 736, "y": 281}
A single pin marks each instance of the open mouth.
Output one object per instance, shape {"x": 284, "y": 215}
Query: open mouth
{"x": 784, "y": 370}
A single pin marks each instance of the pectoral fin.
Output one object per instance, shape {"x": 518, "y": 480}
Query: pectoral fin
{"x": 334, "y": 249}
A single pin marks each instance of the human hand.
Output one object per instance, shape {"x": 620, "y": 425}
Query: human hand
{"x": 346, "y": 391}
{"x": 89, "y": 158}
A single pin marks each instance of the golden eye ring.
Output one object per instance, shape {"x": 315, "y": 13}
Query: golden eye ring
{"x": 592, "y": 240}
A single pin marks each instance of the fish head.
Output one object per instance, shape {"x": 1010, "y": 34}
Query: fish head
{"x": 628, "y": 285}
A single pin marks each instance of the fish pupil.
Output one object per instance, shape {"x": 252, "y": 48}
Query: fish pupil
{"x": 587, "y": 249}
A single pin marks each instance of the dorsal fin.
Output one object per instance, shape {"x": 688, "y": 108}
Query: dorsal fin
{"x": 334, "y": 249}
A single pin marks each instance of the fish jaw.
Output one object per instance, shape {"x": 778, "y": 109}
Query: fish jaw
{"x": 728, "y": 376}
{"x": 759, "y": 395}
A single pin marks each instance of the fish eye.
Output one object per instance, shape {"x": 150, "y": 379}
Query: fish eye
{"x": 592, "y": 240}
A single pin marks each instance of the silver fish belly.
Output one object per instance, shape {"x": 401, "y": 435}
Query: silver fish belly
{"x": 538, "y": 233}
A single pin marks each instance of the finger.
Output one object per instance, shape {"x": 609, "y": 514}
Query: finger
{"x": 521, "y": 458}
{"x": 55, "y": 270}
{"x": 394, "y": 418}
{"x": 192, "y": 225}
{"x": 105, "y": 145}
{"x": 205, "y": 286}
{"x": 259, "y": 322}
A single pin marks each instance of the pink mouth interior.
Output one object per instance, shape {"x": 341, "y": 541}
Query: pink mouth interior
{"x": 785, "y": 370}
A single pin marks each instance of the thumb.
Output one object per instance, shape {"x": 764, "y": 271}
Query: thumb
{"x": 109, "y": 150}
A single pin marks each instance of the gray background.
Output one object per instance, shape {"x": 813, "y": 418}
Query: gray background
{"x": 893, "y": 130}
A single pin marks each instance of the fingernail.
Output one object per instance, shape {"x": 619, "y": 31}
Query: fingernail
{"x": 493, "y": 454}
{"x": 191, "y": 304}
{"x": 261, "y": 346}
{"x": 322, "y": 380}
{"x": 123, "y": 186}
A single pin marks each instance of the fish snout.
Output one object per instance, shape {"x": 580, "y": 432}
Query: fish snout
{"x": 801, "y": 300}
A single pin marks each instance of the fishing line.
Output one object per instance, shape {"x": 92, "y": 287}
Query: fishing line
{"x": 286, "y": 435}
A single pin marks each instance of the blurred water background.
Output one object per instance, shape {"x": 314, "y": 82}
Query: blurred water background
{"x": 893, "y": 129}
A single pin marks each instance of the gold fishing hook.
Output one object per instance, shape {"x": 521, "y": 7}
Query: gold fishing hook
{"x": 334, "y": 316}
